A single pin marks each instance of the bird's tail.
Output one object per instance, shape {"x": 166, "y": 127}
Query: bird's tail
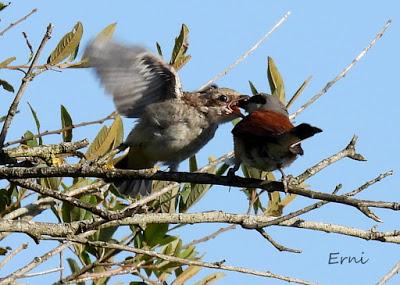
{"x": 304, "y": 131}
{"x": 133, "y": 187}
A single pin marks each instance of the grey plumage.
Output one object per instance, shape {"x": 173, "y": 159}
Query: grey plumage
{"x": 133, "y": 76}
{"x": 172, "y": 124}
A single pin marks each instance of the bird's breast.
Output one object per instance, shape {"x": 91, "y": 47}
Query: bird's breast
{"x": 171, "y": 131}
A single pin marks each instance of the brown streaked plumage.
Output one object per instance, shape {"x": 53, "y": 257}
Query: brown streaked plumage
{"x": 172, "y": 124}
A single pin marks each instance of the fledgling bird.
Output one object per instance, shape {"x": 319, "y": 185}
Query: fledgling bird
{"x": 266, "y": 139}
{"x": 172, "y": 124}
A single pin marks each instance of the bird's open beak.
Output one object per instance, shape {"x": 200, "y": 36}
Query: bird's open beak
{"x": 243, "y": 101}
{"x": 235, "y": 105}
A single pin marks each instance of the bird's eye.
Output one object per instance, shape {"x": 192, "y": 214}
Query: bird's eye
{"x": 223, "y": 98}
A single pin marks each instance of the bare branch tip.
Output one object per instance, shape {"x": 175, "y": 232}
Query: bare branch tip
{"x": 366, "y": 211}
{"x": 358, "y": 157}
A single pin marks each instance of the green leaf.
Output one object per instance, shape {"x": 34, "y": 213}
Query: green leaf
{"x": 159, "y": 50}
{"x": 192, "y": 193}
{"x": 3, "y": 6}
{"x": 37, "y": 122}
{"x": 193, "y": 163}
{"x": 179, "y": 57}
{"x": 187, "y": 274}
{"x": 117, "y": 130}
{"x": 51, "y": 182}
{"x": 7, "y": 61}
{"x": 253, "y": 88}
{"x": 276, "y": 204}
{"x": 155, "y": 233}
{"x": 67, "y": 45}
{"x": 74, "y": 268}
{"x": 6, "y": 86}
{"x": 30, "y": 140}
{"x": 106, "y": 34}
{"x": 210, "y": 278}
{"x": 275, "y": 81}
{"x": 94, "y": 150}
{"x": 74, "y": 54}
{"x": 66, "y": 121}
{"x": 299, "y": 91}
{"x": 5, "y": 199}
{"x": 106, "y": 140}
{"x": 4, "y": 250}
{"x": 71, "y": 213}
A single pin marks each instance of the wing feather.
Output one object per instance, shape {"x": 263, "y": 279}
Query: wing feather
{"x": 262, "y": 125}
{"x": 133, "y": 76}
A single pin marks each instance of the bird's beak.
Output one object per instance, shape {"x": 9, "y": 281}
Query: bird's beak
{"x": 243, "y": 101}
{"x": 236, "y": 104}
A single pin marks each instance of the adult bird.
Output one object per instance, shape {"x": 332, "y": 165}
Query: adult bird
{"x": 172, "y": 124}
{"x": 266, "y": 139}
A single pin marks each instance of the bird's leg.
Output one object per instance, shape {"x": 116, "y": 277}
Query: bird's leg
{"x": 232, "y": 171}
{"x": 284, "y": 180}
{"x": 173, "y": 167}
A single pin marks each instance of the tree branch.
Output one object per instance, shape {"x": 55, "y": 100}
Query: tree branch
{"x": 10, "y": 279}
{"x": 170, "y": 258}
{"x": 40, "y": 229}
{"x": 17, "y": 22}
{"x": 12, "y": 254}
{"x": 247, "y": 53}
{"x": 199, "y": 178}
{"x": 25, "y": 81}
{"x": 343, "y": 72}
{"x": 46, "y": 152}
{"x": 395, "y": 270}
{"x": 59, "y": 131}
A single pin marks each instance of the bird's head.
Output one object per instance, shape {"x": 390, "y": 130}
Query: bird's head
{"x": 263, "y": 102}
{"x": 221, "y": 104}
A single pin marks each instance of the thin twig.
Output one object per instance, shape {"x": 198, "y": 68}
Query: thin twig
{"x": 29, "y": 45}
{"x": 25, "y": 81}
{"x": 211, "y": 236}
{"x": 63, "y": 197}
{"x": 395, "y": 270}
{"x": 343, "y": 72}
{"x": 247, "y": 53}
{"x": 10, "y": 279}
{"x": 309, "y": 208}
{"x": 193, "y": 262}
{"x": 28, "y": 275}
{"x": 59, "y": 131}
{"x": 105, "y": 274}
{"x": 298, "y": 92}
{"x": 17, "y": 22}
{"x": 187, "y": 177}
{"x": 12, "y": 254}
{"x": 275, "y": 244}
{"x": 75, "y": 275}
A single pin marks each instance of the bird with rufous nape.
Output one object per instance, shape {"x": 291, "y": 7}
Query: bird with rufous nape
{"x": 266, "y": 139}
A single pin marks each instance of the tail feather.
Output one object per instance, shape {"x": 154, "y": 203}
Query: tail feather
{"x": 134, "y": 187}
{"x": 304, "y": 131}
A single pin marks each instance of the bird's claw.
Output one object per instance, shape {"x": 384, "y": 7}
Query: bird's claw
{"x": 231, "y": 173}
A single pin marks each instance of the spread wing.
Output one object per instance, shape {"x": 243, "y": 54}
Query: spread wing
{"x": 261, "y": 125}
{"x": 133, "y": 76}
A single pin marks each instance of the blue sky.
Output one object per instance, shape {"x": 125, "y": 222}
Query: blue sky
{"x": 320, "y": 38}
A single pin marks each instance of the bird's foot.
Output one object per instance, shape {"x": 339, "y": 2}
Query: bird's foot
{"x": 286, "y": 180}
{"x": 231, "y": 173}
